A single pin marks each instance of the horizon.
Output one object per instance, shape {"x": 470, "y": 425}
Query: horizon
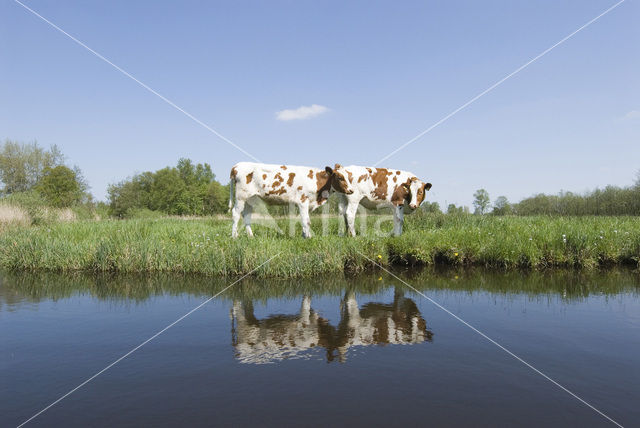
{"x": 354, "y": 84}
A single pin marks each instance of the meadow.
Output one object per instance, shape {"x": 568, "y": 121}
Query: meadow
{"x": 204, "y": 246}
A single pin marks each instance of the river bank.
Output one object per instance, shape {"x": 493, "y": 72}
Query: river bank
{"x": 204, "y": 245}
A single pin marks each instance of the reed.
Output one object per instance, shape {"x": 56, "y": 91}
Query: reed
{"x": 204, "y": 245}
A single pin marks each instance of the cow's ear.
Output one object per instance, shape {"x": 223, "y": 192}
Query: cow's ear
{"x": 337, "y": 166}
{"x": 328, "y": 170}
{"x": 427, "y": 186}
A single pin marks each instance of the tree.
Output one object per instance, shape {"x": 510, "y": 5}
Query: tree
{"x": 431, "y": 207}
{"x": 169, "y": 193}
{"x": 611, "y": 200}
{"x": 481, "y": 201}
{"x": 22, "y": 165}
{"x": 535, "y": 205}
{"x": 130, "y": 194}
{"x": 59, "y": 186}
{"x": 453, "y": 209}
{"x": 83, "y": 184}
{"x": 217, "y": 198}
{"x": 501, "y": 206}
{"x": 186, "y": 189}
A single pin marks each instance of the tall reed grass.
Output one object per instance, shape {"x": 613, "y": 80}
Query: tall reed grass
{"x": 204, "y": 245}
{"x": 13, "y": 215}
{"x": 20, "y": 215}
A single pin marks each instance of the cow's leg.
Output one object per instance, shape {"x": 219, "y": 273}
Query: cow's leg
{"x": 237, "y": 311}
{"x": 352, "y": 210}
{"x": 248, "y": 313}
{"x": 236, "y": 212}
{"x": 246, "y": 218}
{"x": 305, "y": 309}
{"x": 342, "y": 215}
{"x": 398, "y": 220}
{"x": 305, "y": 220}
{"x": 351, "y": 316}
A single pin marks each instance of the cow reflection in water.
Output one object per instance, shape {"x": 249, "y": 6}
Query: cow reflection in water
{"x": 279, "y": 337}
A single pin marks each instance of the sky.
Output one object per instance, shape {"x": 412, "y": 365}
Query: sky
{"x": 318, "y": 83}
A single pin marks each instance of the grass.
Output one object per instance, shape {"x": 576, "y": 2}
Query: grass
{"x": 13, "y": 215}
{"x": 204, "y": 245}
{"x": 26, "y": 210}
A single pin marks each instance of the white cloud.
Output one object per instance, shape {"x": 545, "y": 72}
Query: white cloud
{"x": 633, "y": 114}
{"x": 302, "y": 112}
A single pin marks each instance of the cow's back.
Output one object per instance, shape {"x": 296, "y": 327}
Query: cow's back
{"x": 278, "y": 184}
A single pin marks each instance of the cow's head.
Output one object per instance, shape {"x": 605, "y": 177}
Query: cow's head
{"x": 340, "y": 181}
{"x": 417, "y": 192}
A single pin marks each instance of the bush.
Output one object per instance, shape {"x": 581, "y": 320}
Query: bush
{"x": 186, "y": 189}
{"x": 22, "y": 165}
{"x": 60, "y": 187}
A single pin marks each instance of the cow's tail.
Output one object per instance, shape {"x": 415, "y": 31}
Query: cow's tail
{"x": 232, "y": 186}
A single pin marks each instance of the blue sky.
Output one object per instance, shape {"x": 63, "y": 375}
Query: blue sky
{"x": 385, "y": 71}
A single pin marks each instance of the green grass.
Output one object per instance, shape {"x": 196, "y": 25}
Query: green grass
{"x": 204, "y": 245}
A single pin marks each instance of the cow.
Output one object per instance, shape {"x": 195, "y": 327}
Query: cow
{"x": 306, "y": 187}
{"x": 381, "y": 187}
{"x": 399, "y": 322}
{"x": 276, "y": 337}
{"x": 279, "y": 336}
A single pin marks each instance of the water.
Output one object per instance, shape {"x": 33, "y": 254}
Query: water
{"x": 321, "y": 351}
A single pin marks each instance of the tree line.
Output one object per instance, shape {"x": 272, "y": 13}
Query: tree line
{"x": 28, "y": 171}
{"x": 32, "y": 176}
{"x": 186, "y": 189}
{"x": 612, "y": 200}
{"x": 27, "y": 168}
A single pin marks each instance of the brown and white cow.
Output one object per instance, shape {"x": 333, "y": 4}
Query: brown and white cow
{"x": 306, "y": 187}
{"x": 279, "y": 336}
{"x": 380, "y": 187}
